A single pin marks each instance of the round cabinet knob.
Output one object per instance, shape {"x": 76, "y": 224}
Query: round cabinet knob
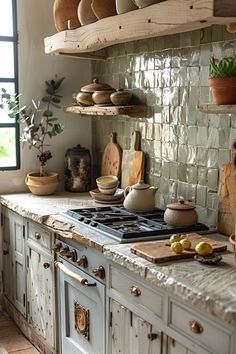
{"x": 135, "y": 291}
{"x": 82, "y": 262}
{"x": 63, "y": 250}
{"x": 37, "y": 235}
{"x": 195, "y": 327}
{"x": 99, "y": 272}
{"x": 56, "y": 247}
{"x": 46, "y": 265}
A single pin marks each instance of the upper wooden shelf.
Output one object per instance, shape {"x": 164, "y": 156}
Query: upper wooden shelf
{"x": 131, "y": 111}
{"x": 214, "y": 108}
{"x": 167, "y": 17}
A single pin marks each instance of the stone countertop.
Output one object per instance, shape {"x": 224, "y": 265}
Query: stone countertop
{"x": 210, "y": 288}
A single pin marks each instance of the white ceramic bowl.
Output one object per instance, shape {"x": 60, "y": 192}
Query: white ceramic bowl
{"x": 107, "y": 181}
{"x": 110, "y": 190}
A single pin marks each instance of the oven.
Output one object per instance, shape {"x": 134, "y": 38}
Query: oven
{"x": 81, "y": 299}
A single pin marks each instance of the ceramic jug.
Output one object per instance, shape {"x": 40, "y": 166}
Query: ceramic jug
{"x": 140, "y": 197}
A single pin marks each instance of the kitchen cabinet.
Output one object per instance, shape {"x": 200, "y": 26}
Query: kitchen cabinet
{"x": 174, "y": 347}
{"x": 14, "y": 278}
{"x": 167, "y": 17}
{"x": 129, "y": 333}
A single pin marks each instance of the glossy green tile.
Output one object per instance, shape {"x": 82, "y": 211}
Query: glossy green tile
{"x": 191, "y": 174}
{"x": 201, "y": 195}
{"x": 213, "y": 178}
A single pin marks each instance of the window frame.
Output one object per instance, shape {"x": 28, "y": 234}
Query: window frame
{"x": 14, "y": 40}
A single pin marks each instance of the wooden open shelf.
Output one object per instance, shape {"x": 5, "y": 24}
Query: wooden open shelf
{"x": 167, "y": 17}
{"x": 131, "y": 111}
{"x": 214, "y": 108}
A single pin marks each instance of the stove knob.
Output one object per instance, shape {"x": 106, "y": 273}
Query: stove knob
{"x": 87, "y": 221}
{"x": 99, "y": 272}
{"x": 72, "y": 255}
{"x": 56, "y": 247}
{"x": 82, "y": 262}
{"x": 94, "y": 224}
{"x": 63, "y": 250}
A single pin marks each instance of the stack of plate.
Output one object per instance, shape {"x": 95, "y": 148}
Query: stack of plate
{"x": 116, "y": 198}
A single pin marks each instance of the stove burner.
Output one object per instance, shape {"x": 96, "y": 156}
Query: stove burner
{"x": 117, "y": 222}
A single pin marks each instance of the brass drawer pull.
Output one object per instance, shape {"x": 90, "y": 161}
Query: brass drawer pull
{"x": 135, "y": 291}
{"x": 195, "y": 327}
{"x": 37, "y": 235}
{"x": 46, "y": 265}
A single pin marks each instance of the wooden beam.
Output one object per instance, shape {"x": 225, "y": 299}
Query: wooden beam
{"x": 167, "y": 17}
{"x": 132, "y": 111}
{"x": 214, "y": 108}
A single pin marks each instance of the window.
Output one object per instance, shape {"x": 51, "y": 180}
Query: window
{"x": 9, "y": 128}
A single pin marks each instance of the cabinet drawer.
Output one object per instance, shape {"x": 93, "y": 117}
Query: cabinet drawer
{"x": 136, "y": 292}
{"x": 206, "y": 333}
{"x": 40, "y": 236}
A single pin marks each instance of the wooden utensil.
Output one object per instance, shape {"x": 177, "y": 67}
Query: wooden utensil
{"x": 227, "y": 196}
{"x": 160, "y": 251}
{"x": 64, "y": 11}
{"x": 133, "y": 161}
{"x": 111, "y": 159}
{"x": 104, "y": 8}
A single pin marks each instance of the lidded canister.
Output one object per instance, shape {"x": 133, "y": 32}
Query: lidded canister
{"x": 77, "y": 169}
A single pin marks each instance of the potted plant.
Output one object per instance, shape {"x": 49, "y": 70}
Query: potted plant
{"x": 223, "y": 80}
{"x": 39, "y": 124}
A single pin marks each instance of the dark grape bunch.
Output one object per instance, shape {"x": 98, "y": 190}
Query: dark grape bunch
{"x": 44, "y": 157}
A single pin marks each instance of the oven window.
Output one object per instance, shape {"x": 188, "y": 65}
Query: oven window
{"x": 9, "y": 128}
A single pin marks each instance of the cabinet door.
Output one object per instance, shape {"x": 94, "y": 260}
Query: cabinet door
{"x": 40, "y": 294}
{"x": 7, "y": 262}
{"x": 175, "y": 347}
{"x": 130, "y": 334}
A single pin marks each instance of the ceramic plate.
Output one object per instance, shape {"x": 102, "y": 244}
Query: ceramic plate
{"x": 110, "y": 198}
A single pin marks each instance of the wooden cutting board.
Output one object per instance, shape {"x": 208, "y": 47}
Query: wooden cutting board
{"x": 227, "y": 196}
{"x": 133, "y": 162}
{"x": 159, "y": 251}
{"x": 111, "y": 158}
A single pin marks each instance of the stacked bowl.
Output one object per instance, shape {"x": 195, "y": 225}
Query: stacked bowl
{"x": 107, "y": 184}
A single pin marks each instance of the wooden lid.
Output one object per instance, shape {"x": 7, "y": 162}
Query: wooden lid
{"x": 95, "y": 86}
{"x": 180, "y": 206}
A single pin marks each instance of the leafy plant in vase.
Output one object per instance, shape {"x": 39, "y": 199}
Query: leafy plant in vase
{"x": 39, "y": 124}
{"x": 223, "y": 80}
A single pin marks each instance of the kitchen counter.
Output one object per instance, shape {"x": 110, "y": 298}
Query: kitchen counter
{"x": 210, "y": 288}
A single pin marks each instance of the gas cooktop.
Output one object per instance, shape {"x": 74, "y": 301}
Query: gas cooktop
{"x": 117, "y": 222}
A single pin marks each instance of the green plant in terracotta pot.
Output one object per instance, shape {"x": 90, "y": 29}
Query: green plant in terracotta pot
{"x": 39, "y": 125}
{"x": 223, "y": 80}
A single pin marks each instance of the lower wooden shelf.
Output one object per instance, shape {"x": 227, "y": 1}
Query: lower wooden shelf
{"x": 214, "y": 108}
{"x": 131, "y": 111}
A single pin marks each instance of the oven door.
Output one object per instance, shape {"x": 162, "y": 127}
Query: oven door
{"x": 82, "y": 311}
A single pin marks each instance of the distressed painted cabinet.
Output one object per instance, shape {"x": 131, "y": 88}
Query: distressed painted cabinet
{"x": 13, "y": 243}
{"x": 175, "y": 347}
{"x": 40, "y": 282}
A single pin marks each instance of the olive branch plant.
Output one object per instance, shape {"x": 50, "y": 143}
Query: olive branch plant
{"x": 38, "y": 119}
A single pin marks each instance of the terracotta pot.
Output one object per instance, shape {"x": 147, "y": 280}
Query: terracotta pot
{"x": 42, "y": 185}
{"x": 84, "y": 98}
{"x": 104, "y": 8}
{"x": 102, "y": 97}
{"x": 123, "y": 6}
{"x": 64, "y": 11}
{"x": 121, "y": 97}
{"x": 180, "y": 214}
{"x": 223, "y": 90}
{"x": 145, "y": 3}
{"x": 85, "y": 13}
{"x": 95, "y": 86}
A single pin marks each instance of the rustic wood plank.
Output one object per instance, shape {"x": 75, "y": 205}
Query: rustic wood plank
{"x": 168, "y": 17}
{"x": 131, "y": 111}
{"x": 214, "y": 108}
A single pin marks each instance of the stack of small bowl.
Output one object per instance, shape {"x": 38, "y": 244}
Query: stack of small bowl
{"x": 107, "y": 184}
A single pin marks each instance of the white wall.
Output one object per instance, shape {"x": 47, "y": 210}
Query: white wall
{"x": 35, "y": 22}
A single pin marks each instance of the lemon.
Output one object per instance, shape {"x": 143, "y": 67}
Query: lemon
{"x": 204, "y": 248}
{"x": 175, "y": 238}
{"x": 185, "y": 243}
{"x": 176, "y": 247}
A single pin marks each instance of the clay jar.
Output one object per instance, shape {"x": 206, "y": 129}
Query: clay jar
{"x": 84, "y": 98}
{"x": 180, "y": 214}
{"x": 123, "y": 6}
{"x": 64, "y": 12}
{"x": 102, "y": 97}
{"x": 85, "y": 12}
{"x": 104, "y": 8}
{"x": 145, "y": 3}
{"x": 121, "y": 97}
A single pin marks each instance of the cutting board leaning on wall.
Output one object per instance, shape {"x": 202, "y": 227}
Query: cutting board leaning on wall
{"x": 133, "y": 162}
{"x": 111, "y": 158}
{"x": 227, "y": 196}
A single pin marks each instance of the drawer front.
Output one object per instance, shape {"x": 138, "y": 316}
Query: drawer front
{"x": 203, "y": 331}
{"x": 136, "y": 292}
{"x": 40, "y": 236}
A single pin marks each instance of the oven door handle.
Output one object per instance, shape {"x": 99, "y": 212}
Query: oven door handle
{"x": 81, "y": 280}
